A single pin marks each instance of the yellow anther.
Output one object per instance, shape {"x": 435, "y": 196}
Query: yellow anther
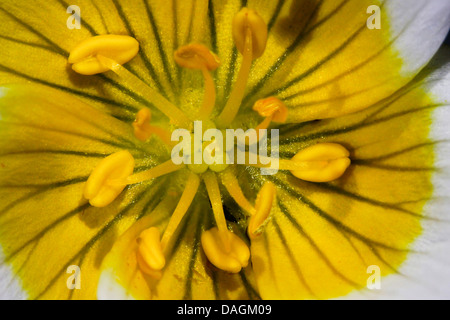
{"x": 150, "y": 255}
{"x": 144, "y": 130}
{"x": 249, "y": 19}
{"x": 119, "y": 48}
{"x": 231, "y": 261}
{"x": 333, "y": 159}
{"x": 271, "y": 107}
{"x": 196, "y": 56}
{"x": 97, "y": 190}
{"x": 263, "y": 205}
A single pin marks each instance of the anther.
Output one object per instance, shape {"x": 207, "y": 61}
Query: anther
{"x": 263, "y": 205}
{"x": 150, "y": 256}
{"x": 273, "y": 109}
{"x": 143, "y": 130}
{"x": 196, "y": 56}
{"x": 231, "y": 260}
{"x": 119, "y": 48}
{"x": 97, "y": 190}
{"x": 324, "y": 162}
{"x": 248, "y": 18}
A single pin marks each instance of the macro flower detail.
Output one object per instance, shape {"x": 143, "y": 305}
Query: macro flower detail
{"x": 116, "y": 155}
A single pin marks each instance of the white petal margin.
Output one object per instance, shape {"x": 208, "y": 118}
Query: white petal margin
{"x": 10, "y": 288}
{"x": 427, "y": 22}
{"x": 426, "y": 273}
{"x": 109, "y": 289}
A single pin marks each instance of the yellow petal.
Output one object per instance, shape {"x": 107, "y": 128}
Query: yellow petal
{"x": 49, "y": 145}
{"x": 323, "y": 237}
{"x": 324, "y": 61}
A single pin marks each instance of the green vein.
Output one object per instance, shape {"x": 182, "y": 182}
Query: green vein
{"x": 192, "y": 261}
{"x": 39, "y": 235}
{"x": 34, "y": 45}
{"x": 251, "y": 292}
{"x": 336, "y": 223}
{"x": 291, "y": 257}
{"x": 212, "y": 26}
{"x": 316, "y": 248}
{"x": 302, "y": 36}
{"x": 322, "y": 62}
{"x": 275, "y": 15}
{"x": 70, "y": 90}
{"x": 91, "y": 30}
{"x": 162, "y": 54}
{"x": 46, "y": 188}
{"x": 92, "y": 241}
{"x": 142, "y": 53}
{"x": 328, "y": 133}
{"x": 36, "y": 32}
{"x": 364, "y": 199}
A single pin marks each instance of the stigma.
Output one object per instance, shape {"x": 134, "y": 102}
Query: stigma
{"x": 322, "y": 162}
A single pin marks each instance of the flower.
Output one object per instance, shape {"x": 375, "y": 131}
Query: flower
{"x": 87, "y": 179}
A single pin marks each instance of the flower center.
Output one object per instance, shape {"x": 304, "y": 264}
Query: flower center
{"x": 223, "y": 248}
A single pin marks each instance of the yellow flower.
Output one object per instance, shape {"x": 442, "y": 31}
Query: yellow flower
{"x": 87, "y": 122}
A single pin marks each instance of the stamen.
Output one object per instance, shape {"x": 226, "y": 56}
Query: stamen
{"x": 250, "y": 37}
{"x": 231, "y": 183}
{"x": 160, "y": 170}
{"x": 116, "y": 47}
{"x": 151, "y": 95}
{"x": 143, "y": 129}
{"x": 212, "y": 187}
{"x": 272, "y": 109}
{"x": 233, "y": 259}
{"x": 285, "y": 164}
{"x": 333, "y": 160}
{"x": 263, "y": 205}
{"x": 119, "y": 165}
{"x": 186, "y": 199}
{"x": 198, "y": 57}
{"x": 248, "y": 18}
{"x": 150, "y": 256}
